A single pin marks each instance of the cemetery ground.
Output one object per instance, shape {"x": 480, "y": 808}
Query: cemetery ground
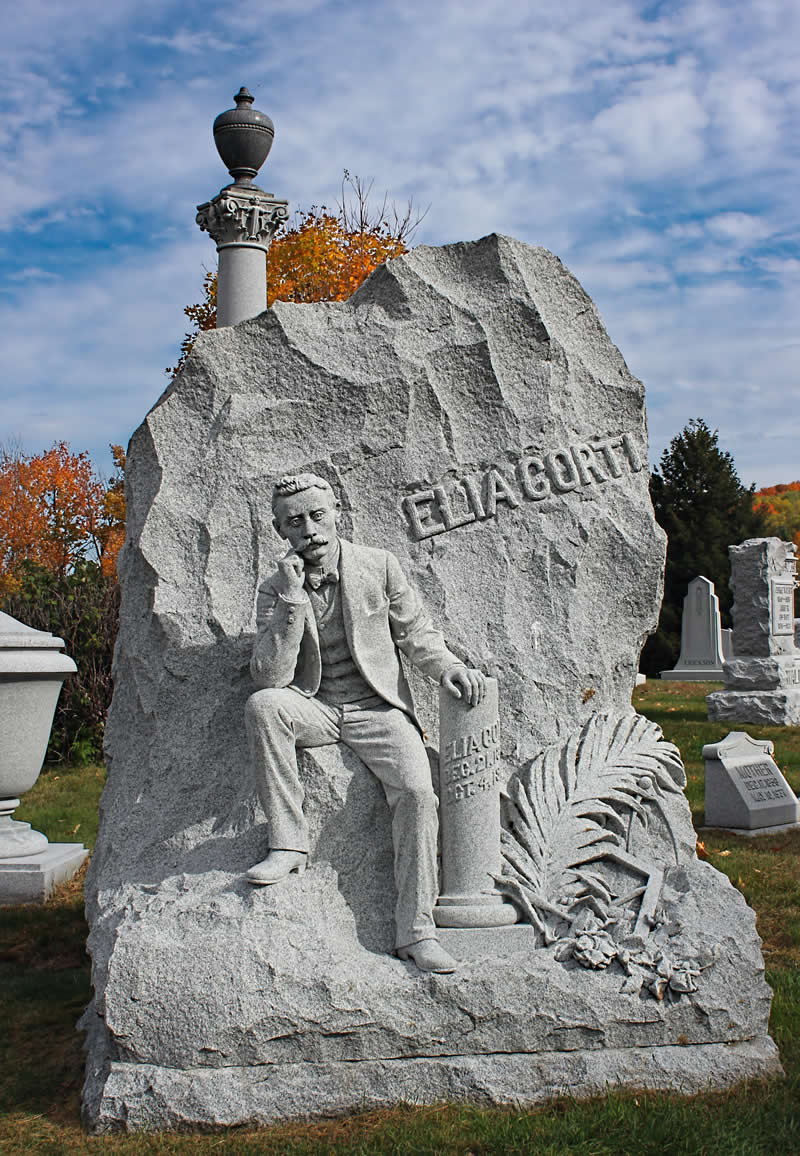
{"x": 44, "y": 986}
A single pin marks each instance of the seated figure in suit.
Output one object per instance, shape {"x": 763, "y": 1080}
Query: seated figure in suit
{"x": 332, "y": 621}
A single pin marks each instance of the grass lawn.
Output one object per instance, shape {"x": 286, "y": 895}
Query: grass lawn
{"x": 44, "y": 985}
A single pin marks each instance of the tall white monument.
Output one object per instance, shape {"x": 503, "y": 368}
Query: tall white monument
{"x": 702, "y": 646}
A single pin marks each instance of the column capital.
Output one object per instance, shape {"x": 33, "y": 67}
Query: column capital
{"x": 242, "y": 215}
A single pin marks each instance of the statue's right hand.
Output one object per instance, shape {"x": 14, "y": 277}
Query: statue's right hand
{"x": 291, "y": 576}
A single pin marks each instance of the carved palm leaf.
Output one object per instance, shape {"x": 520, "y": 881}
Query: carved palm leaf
{"x": 577, "y": 803}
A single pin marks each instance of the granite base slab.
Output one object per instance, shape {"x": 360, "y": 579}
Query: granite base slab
{"x": 468, "y": 943}
{"x": 754, "y": 832}
{"x": 32, "y": 878}
{"x": 146, "y": 1097}
{"x": 762, "y": 708}
{"x": 218, "y": 1004}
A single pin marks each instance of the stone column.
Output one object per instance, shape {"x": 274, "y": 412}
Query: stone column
{"x": 469, "y": 813}
{"x": 242, "y": 221}
{"x": 242, "y": 218}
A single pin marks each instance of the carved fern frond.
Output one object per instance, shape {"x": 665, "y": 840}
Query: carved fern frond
{"x": 578, "y": 802}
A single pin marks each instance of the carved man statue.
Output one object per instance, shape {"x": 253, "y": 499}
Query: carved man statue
{"x": 332, "y": 621}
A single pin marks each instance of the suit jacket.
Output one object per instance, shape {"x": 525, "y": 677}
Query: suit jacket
{"x": 382, "y": 615}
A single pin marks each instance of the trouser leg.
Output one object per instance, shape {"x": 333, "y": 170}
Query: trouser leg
{"x": 278, "y": 721}
{"x": 390, "y": 745}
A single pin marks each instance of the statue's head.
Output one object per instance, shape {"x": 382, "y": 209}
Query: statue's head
{"x": 305, "y": 511}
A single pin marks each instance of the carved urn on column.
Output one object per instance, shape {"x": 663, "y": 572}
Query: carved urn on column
{"x": 242, "y": 218}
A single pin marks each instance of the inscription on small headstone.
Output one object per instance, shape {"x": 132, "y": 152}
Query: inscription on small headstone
{"x": 782, "y": 590}
{"x": 745, "y": 790}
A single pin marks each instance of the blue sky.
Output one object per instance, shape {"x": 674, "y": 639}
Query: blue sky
{"x": 652, "y": 146}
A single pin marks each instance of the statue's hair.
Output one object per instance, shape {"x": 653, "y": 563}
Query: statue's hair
{"x": 296, "y": 483}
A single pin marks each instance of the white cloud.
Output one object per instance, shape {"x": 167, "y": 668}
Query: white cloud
{"x": 657, "y": 157}
{"x": 743, "y": 228}
{"x": 90, "y": 374}
{"x": 655, "y": 129}
{"x": 32, "y": 273}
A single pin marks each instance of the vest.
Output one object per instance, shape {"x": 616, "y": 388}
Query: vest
{"x": 341, "y": 681}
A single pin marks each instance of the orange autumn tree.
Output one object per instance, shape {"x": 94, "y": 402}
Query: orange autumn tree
{"x": 51, "y": 509}
{"x": 780, "y": 508}
{"x": 55, "y": 511}
{"x": 324, "y": 256}
{"x": 112, "y": 529}
{"x": 61, "y": 528}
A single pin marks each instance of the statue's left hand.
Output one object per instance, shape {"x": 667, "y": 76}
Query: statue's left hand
{"x": 465, "y": 683}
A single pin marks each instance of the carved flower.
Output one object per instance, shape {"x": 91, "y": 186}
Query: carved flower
{"x": 594, "y": 949}
{"x": 684, "y": 976}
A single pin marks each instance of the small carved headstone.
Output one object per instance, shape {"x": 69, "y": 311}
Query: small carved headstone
{"x": 702, "y": 648}
{"x": 745, "y": 790}
{"x": 762, "y": 678}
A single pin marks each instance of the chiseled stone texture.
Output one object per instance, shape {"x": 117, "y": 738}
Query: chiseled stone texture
{"x": 762, "y": 679}
{"x": 755, "y": 566}
{"x": 483, "y": 369}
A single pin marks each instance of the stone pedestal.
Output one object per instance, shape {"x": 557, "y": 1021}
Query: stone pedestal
{"x": 242, "y": 220}
{"x": 763, "y": 691}
{"x": 702, "y": 653}
{"x": 469, "y": 813}
{"x": 32, "y": 878}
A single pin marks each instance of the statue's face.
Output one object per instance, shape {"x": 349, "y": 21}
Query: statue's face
{"x": 308, "y": 521}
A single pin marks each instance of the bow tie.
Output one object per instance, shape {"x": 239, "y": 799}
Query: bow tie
{"x": 318, "y": 577}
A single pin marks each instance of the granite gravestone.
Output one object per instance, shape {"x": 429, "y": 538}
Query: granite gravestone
{"x": 762, "y": 679}
{"x": 702, "y": 653}
{"x": 469, "y": 409}
{"x": 745, "y": 790}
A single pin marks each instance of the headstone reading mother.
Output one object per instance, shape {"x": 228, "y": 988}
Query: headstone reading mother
{"x": 476, "y": 423}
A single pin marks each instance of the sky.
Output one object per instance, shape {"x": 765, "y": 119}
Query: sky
{"x": 652, "y": 146}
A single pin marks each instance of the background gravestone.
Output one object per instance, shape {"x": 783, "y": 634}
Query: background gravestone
{"x": 745, "y": 790}
{"x": 702, "y": 653}
{"x": 762, "y": 678}
{"x": 469, "y": 409}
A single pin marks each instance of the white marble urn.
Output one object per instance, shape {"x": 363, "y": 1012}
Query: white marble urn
{"x": 32, "y": 670}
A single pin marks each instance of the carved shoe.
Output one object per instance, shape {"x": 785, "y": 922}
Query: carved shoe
{"x": 428, "y": 955}
{"x": 278, "y": 865}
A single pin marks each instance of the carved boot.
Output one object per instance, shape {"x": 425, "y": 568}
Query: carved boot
{"x": 278, "y": 865}
{"x": 428, "y": 955}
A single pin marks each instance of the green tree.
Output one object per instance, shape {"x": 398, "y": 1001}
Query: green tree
{"x": 704, "y": 508}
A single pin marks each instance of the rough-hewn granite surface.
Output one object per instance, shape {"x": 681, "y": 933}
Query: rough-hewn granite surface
{"x": 762, "y": 681}
{"x": 482, "y": 369}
